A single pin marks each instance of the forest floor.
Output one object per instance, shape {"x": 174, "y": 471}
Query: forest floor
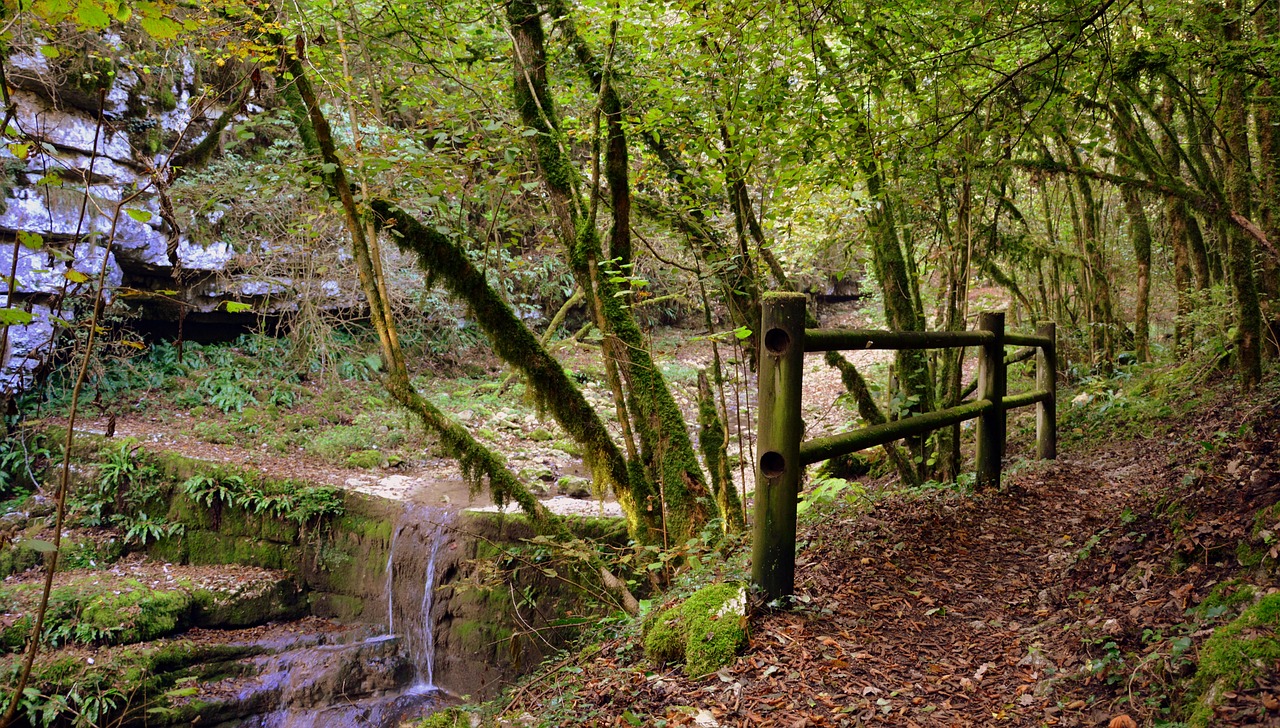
{"x": 1078, "y": 596}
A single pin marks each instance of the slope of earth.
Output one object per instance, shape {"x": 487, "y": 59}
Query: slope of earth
{"x": 1080, "y": 595}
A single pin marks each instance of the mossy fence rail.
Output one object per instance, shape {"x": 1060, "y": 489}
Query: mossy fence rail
{"x": 783, "y": 455}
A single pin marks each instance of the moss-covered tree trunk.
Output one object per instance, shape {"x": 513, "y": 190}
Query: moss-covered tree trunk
{"x": 1140, "y": 238}
{"x": 1102, "y": 315}
{"x": 914, "y": 380}
{"x": 1176, "y": 216}
{"x": 1267, "y": 123}
{"x": 714, "y": 439}
{"x": 1234, "y": 123}
{"x": 666, "y": 452}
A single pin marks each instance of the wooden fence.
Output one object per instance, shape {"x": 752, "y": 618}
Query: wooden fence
{"x": 783, "y": 455}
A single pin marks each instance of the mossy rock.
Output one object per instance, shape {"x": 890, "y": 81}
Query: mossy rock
{"x": 209, "y": 548}
{"x": 574, "y": 487}
{"x": 541, "y": 435}
{"x": 665, "y": 638}
{"x": 706, "y": 631}
{"x": 140, "y": 614}
{"x": 92, "y": 611}
{"x": 534, "y": 473}
{"x": 15, "y": 559}
{"x": 367, "y": 459}
{"x": 1234, "y": 657}
{"x": 14, "y": 636}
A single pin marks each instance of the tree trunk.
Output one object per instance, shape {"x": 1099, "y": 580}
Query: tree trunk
{"x": 1235, "y": 136}
{"x": 1267, "y": 118}
{"x": 1102, "y": 323}
{"x": 1176, "y": 217}
{"x": 1140, "y": 238}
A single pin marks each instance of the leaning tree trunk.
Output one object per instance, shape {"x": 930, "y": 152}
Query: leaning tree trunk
{"x": 476, "y": 460}
{"x": 553, "y": 390}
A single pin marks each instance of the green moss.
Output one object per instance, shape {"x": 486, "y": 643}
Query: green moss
{"x": 205, "y": 547}
{"x": 567, "y": 446}
{"x": 215, "y": 432}
{"x": 1227, "y": 595}
{"x": 337, "y": 443}
{"x": 14, "y": 636}
{"x": 166, "y": 100}
{"x": 1233, "y": 658}
{"x": 367, "y": 459}
{"x": 540, "y": 435}
{"x": 15, "y": 559}
{"x": 706, "y": 631}
{"x": 139, "y": 613}
{"x": 447, "y": 718}
{"x": 93, "y": 610}
{"x": 337, "y": 606}
{"x": 665, "y": 638}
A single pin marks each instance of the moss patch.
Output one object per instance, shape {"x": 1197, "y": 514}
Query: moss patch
{"x": 706, "y": 631}
{"x": 447, "y": 718}
{"x": 1233, "y": 658}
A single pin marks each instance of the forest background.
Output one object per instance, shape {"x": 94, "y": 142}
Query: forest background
{"x": 1112, "y": 167}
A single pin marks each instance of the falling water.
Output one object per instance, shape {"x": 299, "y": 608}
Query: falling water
{"x": 391, "y": 558}
{"x": 411, "y": 582}
{"x": 428, "y": 601}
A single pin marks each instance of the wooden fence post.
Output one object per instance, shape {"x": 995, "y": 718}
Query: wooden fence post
{"x": 778, "y": 468}
{"x": 1047, "y": 381}
{"x": 991, "y": 386}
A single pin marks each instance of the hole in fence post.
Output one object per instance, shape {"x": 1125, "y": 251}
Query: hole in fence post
{"x": 777, "y": 341}
{"x": 772, "y": 464}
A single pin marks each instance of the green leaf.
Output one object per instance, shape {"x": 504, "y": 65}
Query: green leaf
{"x": 742, "y": 332}
{"x": 90, "y": 14}
{"x": 21, "y": 151}
{"x": 50, "y": 52}
{"x": 75, "y": 276}
{"x": 36, "y": 544}
{"x": 30, "y": 241}
{"x": 139, "y": 215}
{"x": 15, "y": 317}
{"x": 160, "y": 27}
{"x": 237, "y": 307}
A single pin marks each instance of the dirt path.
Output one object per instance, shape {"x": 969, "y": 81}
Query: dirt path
{"x": 1017, "y": 608}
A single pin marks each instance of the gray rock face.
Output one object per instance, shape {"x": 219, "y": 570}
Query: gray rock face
{"x": 71, "y": 186}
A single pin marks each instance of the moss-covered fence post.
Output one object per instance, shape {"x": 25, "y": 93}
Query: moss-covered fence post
{"x": 991, "y": 386}
{"x": 778, "y": 468}
{"x": 1047, "y": 381}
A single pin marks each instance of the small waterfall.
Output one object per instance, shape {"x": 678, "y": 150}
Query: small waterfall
{"x": 411, "y": 581}
{"x": 391, "y": 561}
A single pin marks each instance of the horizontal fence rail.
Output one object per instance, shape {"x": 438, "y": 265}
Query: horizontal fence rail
{"x": 843, "y": 339}
{"x": 783, "y": 455}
